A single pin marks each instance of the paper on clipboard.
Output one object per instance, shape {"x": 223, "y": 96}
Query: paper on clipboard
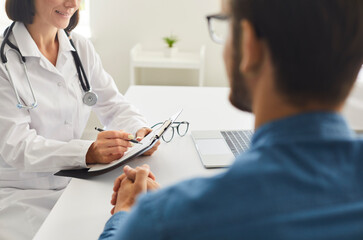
{"x": 146, "y": 143}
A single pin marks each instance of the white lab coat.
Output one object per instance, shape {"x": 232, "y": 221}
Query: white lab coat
{"x": 36, "y": 143}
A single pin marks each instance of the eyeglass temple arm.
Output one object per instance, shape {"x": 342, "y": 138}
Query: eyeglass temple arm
{"x": 218, "y": 16}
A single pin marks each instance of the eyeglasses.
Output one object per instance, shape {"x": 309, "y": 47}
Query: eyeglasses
{"x": 218, "y": 25}
{"x": 181, "y": 128}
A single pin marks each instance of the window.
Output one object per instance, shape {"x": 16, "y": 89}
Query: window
{"x": 83, "y": 27}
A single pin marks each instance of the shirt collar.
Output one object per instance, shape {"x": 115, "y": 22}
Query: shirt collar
{"x": 64, "y": 43}
{"x": 28, "y": 47}
{"x": 308, "y": 126}
{"x": 25, "y": 42}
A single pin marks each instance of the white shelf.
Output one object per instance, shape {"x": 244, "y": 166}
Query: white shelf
{"x": 156, "y": 59}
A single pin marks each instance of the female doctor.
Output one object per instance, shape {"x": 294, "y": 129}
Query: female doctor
{"x": 41, "y": 125}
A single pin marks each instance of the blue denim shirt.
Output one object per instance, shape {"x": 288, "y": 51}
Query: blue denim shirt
{"x": 301, "y": 179}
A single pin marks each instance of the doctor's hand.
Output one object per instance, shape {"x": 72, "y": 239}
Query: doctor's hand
{"x": 129, "y": 185}
{"x": 140, "y": 134}
{"x": 109, "y": 146}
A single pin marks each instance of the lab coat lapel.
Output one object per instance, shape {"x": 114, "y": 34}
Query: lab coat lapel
{"x": 24, "y": 41}
{"x": 64, "y": 53}
{"x": 29, "y": 49}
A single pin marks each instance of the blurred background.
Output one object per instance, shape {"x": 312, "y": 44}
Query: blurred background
{"x": 116, "y": 26}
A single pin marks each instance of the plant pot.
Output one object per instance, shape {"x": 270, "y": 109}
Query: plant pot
{"x": 170, "y": 52}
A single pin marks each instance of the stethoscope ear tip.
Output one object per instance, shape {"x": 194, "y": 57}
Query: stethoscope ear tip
{"x": 21, "y": 106}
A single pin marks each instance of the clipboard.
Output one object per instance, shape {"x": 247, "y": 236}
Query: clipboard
{"x": 145, "y": 144}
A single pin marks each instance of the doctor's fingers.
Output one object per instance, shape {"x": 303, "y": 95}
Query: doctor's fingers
{"x": 114, "y": 143}
{"x": 105, "y": 158}
{"x": 108, "y": 159}
{"x": 115, "y": 135}
{"x": 141, "y": 133}
{"x": 117, "y": 150}
{"x": 152, "y": 150}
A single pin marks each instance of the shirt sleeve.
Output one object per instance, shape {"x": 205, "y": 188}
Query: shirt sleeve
{"x": 112, "y": 108}
{"x": 141, "y": 223}
{"x": 112, "y": 225}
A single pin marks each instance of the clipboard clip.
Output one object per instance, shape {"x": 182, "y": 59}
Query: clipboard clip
{"x": 163, "y": 128}
{"x": 166, "y": 125}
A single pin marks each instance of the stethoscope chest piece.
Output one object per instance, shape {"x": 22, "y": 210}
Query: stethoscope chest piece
{"x": 90, "y": 98}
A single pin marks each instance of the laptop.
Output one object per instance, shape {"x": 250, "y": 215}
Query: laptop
{"x": 219, "y": 149}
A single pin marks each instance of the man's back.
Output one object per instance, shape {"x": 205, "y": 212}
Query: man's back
{"x": 301, "y": 179}
{"x": 293, "y": 64}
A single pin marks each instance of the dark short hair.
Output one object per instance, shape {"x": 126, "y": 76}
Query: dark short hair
{"x": 316, "y": 46}
{"x": 24, "y": 11}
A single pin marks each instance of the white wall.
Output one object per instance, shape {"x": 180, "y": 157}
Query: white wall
{"x": 4, "y": 20}
{"x": 353, "y": 109}
{"x": 117, "y": 25}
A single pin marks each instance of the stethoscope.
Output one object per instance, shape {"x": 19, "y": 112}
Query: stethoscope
{"x": 89, "y": 97}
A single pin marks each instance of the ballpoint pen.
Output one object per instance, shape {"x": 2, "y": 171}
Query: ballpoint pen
{"x": 130, "y": 140}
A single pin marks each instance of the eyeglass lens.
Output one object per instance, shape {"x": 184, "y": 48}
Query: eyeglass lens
{"x": 219, "y": 29}
{"x": 182, "y": 128}
{"x": 168, "y": 134}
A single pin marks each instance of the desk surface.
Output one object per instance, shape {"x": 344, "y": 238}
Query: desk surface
{"x": 83, "y": 209}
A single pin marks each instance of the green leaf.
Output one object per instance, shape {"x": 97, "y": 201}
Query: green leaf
{"x": 171, "y": 40}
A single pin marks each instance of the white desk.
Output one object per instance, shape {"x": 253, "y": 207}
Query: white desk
{"x": 140, "y": 58}
{"x": 83, "y": 209}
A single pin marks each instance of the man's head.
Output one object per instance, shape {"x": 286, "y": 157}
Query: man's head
{"x": 314, "y": 47}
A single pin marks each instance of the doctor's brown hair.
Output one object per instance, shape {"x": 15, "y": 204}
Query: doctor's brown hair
{"x": 316, "y": 46}
{"x": 24, "y": 11}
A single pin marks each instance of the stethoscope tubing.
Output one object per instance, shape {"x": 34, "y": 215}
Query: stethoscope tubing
{"x": 80, "y": 70}
{"x": 89, "y": 98}
{"x": 19, "y": 104}
{"x": 4, "y": 60}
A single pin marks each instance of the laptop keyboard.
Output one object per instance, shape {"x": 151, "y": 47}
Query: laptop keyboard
{"x": 237, "y": 141}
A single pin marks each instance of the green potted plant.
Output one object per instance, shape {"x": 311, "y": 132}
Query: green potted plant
{"x": 170, "y": 50}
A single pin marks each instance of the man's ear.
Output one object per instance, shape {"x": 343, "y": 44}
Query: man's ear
{"x": 251, "y": 49}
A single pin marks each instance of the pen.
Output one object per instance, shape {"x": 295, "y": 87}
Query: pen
{"x": 130, "y": 140}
